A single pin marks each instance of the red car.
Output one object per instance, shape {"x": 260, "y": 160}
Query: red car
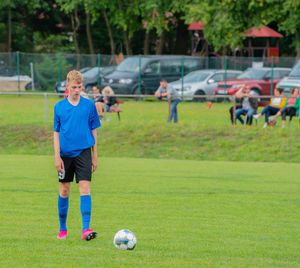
{"x": 259, "y": 80}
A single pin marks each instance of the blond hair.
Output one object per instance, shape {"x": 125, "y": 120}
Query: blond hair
{"x": 74, "y": 76}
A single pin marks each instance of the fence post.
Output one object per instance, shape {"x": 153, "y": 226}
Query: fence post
{"x": 233, "y": 110}
{"x": 182, "y": 75}
{"x": 32, "y": 75}
{"x": 46, "y": 107}
{"x": 225, "y": 77}
{"x": 140, "y": 75}
{"x": 272, "y": 74}
{"x": 18, "y": 70}
{"x": 99, "y": 71}
{"x": 59, "y": 71}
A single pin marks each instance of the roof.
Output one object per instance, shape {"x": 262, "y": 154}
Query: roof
{"x": 194, "y": 26}
{"x": 264, "y": 31}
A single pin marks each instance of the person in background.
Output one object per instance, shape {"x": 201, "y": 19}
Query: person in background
{"x": 108, "y": 98}
{"x": 274, "y": 107}
{"x": 97, "y": 98}
{"x": 291, "y": 107}
{"x": 83, "y": 93}
{"x": 249, "y": 104}
{"x": 166, "y": 90}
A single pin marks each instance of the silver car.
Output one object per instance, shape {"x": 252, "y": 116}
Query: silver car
{"x": 202, "y": 82}
{"x": 291, "y": 81}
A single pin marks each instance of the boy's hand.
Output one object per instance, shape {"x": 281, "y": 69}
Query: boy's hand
{"x": 59, "y": 164}
{"x": 94, "y": 163}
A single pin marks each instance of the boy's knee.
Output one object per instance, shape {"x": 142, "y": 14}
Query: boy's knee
{"x": 84, "y": 187}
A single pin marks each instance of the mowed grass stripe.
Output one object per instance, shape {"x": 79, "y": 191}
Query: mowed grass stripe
{"x": 184, "y": 214}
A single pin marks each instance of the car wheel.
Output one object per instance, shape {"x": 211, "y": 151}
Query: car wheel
{"x": 199, "y": 92}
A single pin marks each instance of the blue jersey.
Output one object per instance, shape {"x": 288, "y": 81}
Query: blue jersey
{"x": 75, "y": 125}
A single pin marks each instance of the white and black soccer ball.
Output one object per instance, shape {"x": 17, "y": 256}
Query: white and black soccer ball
{"x": 125, "y": 240}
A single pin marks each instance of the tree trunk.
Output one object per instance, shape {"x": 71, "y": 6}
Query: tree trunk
{"x": 127, "y": 43}
{"x": 182, "y": 37}
{"x": 75, "y": 25}
{"x": 89, "y": 35}
{"x": 160, "y": 45}
{"x": 298, "y": 43}
{"x": 8, "y": 31}
{"x": 147, "y": 43}
{"x": 125, "y": 35}
{"x": 111, "y": 39}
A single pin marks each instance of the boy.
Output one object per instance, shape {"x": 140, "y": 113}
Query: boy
{"x": 75, "y": 123}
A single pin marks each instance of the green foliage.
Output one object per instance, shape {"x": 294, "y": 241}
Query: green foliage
{"x": 52, "y": 43}
{"x": 47, "y": 69}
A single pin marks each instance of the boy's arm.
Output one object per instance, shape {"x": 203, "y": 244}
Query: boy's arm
{"x": 59, "y": 164}
{"x": 94, "y": 151}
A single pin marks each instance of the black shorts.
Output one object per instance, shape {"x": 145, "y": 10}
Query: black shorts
{"x": 80, "y": 165}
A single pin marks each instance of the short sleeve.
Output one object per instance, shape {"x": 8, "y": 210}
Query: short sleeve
{"x": 56, "y": 120}
{"x": 94, "y": 120}
{"x": 171, "y": 90}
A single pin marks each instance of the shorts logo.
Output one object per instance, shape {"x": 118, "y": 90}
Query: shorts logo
{"x": 61, "y": 175}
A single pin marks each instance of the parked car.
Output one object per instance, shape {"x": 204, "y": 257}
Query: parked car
{"x": 11, "y": 81}
{"x": 202, "y": 82}
{"x": 291, "y": 81}
{"x": 150, "y": 70}
{"x": 259, "y": 80}
{"x": 90, "y": 78}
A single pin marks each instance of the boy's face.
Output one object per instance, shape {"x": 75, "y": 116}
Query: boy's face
{"x": 74, "y": 89}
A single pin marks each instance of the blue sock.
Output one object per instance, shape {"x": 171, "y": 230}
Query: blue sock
{"x": 85, "y": 208}
{"x": 63, "y": 205}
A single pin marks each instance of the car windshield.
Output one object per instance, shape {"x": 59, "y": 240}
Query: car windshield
{"x": 93, "y": 72}
{"x": 131, "y": 65}
{"x": 296, "y": 71}
{"x": 255, "y": 74}
{"x": 195, "y": 77}
{"x": 90, "y": 73}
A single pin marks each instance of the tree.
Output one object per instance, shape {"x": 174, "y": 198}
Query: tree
{"x": 227, "y": 20}
{"x": 287, "y": 15}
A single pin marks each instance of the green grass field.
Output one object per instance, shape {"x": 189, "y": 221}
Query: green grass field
{"x": 184, "y": 214}
{"x": 201, "y": 134}
{"x": 197, "y": 194}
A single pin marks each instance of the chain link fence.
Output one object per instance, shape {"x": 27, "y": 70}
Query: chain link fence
{"x": 138, "y": 75}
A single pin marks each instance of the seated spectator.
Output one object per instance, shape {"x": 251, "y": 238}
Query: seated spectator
{"x": 231, "y": 112}
{"x": 274, "y": 107}
{"x": 108, "y": 98}
{"x": 249, "y": 105}
{"x": 291, "y": 107}
{"x": 98, "y": 99}
{"x": 83, "y": 94}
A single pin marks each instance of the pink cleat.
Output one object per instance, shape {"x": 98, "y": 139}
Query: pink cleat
{"x": 62, "y": 234}
{"x": 88, "y": 234}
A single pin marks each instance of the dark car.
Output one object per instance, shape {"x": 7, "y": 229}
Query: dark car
{"x": 149, "y": 70}
{"x": 259, "y": 80}
{"x": 90, "y": 78}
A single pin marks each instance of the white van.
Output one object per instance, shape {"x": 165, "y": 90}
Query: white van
{"x": 290, "y": 81}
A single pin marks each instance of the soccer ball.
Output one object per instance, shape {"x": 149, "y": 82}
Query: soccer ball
{"x": 125, "y": 240}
